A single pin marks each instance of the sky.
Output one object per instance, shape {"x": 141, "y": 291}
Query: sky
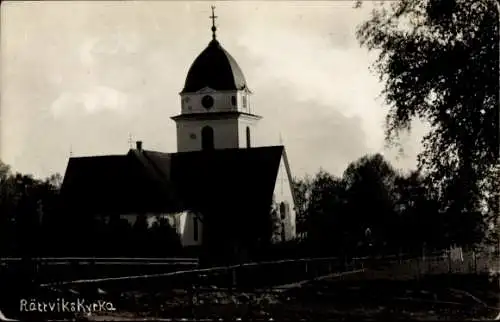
{"x": 81, "y": 78}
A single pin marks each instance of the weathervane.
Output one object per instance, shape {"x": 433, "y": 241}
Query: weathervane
{"x": 213, "y": 16}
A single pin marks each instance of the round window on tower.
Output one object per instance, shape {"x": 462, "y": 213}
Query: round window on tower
{"x": 207, "y": 101}
{"x": 233, "y": 100}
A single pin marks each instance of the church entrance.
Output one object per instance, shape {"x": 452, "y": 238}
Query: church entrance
{"x": 207, "y": 138}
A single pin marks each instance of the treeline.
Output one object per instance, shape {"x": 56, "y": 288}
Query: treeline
{"x": 33, "y": 224}
{"x": 373, "y": 209}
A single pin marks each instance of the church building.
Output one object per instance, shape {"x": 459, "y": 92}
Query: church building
{"x": 217, "y": 183}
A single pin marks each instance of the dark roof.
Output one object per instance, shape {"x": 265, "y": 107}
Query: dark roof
{"x": 117, "y": 184}
{"x": 233, "y": 180}
{"x": 214, "y": 68}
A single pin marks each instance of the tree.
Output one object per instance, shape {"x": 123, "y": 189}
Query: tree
{"x": 275, "y": 223}
{"x": 302, "y": 191}
{"x": 164, "y": 235}
{"x": 370, "y": 184}
{"x": 325, "y": 221}
{"x": 439, "y": 62}
{"x": 420, "y": 220}
{"x": 7, "y": 205}
{"x": 140, "y": 234}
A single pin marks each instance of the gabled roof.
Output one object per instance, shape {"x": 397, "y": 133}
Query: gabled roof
{"x": 112, "y": 184}
{"x": 153, "y": 182}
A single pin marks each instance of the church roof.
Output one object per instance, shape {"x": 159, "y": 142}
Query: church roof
{"x": 214, "y": 68}
{"x": 154, "y": 182}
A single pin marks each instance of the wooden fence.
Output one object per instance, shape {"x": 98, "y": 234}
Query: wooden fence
{"x": 447, "y": 262}
{"x": 256, "y": 275}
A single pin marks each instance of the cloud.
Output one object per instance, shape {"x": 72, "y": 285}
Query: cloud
{"x": 314, "y": 73}
{"x": 315, "y": 135}
{"x": 97, "y": 99}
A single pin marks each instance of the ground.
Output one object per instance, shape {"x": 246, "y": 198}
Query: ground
{"x": 382, "y": 290}
{"x": 433, "y": 297}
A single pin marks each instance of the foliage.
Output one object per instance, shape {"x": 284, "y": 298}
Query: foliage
{"x": 275, "y": 223}
{"x": 302, "y": 192}
{"x": 439, "y": 62}
{"x": 372, "y": 209}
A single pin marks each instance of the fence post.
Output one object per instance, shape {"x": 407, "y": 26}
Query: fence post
{"x": 229, "y": 276}
{"x": 234, "y": 277}
{"x": 449, "y": 261}
{"x": 418, "y": 267}
{"x": 475, "y": 260}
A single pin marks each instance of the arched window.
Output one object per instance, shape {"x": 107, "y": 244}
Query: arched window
{"x": 207, "y": 138}
{"x": 283, "y": 210}
{"x": 248, "y": 137}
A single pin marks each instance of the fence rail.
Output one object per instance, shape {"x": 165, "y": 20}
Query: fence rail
{"x": 109, "y": 259}
{"x": 253, "y": 275}
{"x": 445, "y": 262}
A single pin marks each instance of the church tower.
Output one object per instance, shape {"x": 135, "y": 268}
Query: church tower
{"x": 215, "y": 103}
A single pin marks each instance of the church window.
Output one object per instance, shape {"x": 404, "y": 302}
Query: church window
{"x": 233, "y": 100}
{"x": 195, "y": 228}
{"x": 207, "y": 138}
{"x": 248, "y": 137}
{"x": 283, "y": 210}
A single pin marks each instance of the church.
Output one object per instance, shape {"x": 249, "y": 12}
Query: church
{"x": 217, "y": 183}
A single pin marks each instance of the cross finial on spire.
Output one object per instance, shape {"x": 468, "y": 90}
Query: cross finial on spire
{"x": 213, "y": 16}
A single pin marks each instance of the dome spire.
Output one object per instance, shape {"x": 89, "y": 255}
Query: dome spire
{"x": 214, "y": 29}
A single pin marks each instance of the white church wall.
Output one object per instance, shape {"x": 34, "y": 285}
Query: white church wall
{"x": 243, "y": 123}
{"x": 283, "y": 193}
{"x": 187, "y": 222}
{"x": 189, "y": 134}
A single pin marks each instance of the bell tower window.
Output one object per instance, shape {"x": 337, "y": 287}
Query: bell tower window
{"x": 233, "y": 100}
{"x": 244, "y": 101}
{"x": 207, "y": 138}
{"x": 248, "y": 137}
